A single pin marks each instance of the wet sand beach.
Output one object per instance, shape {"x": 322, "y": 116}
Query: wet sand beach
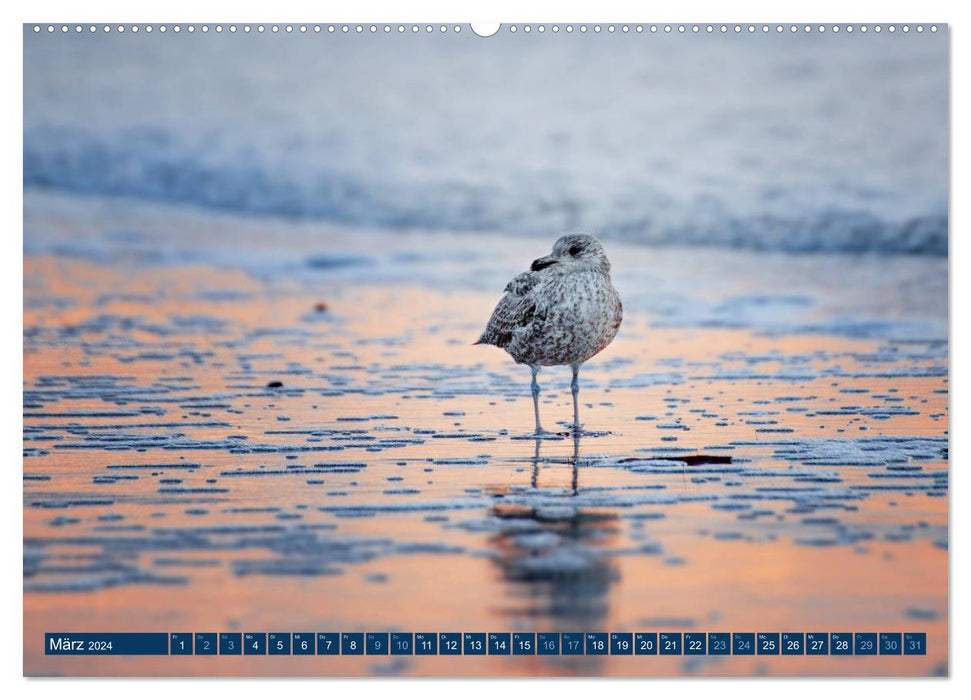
{"x": 244, "y": 424}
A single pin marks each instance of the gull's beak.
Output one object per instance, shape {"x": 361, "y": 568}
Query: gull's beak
{"x": 540, "y": 263}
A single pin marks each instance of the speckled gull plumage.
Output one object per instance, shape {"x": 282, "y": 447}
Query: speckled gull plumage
{"x": 562, "y": 312}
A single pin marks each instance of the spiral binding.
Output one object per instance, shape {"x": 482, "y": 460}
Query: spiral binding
{"x": 510, "y": 29}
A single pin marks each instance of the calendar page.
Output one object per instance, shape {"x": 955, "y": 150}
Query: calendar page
{"x": 485, "y": 350}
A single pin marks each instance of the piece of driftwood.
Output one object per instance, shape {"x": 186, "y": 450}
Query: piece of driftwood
{"x": 690, "y": 460}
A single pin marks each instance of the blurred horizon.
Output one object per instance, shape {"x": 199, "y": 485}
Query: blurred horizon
{"x": 796, "y": 143}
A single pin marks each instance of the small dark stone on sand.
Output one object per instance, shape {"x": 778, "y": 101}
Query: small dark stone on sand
{"x": 320, "y": 307}
{"x": 275, "y": 384}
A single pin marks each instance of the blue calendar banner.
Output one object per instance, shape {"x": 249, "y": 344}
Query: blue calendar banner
{"x": 915, "y": 643}
{"x": 891, "y": 644}
{"x": 695, "y": 643}
{"x": 523, "y": 643}
{"x": 548, "y": 643}
{"x": 743, "y": 643}
{"x": 278, "y": 643}
{"x": 669, "y": 643}
{"x": 793, "y": 644}
{"x": 254, "y": 643}
{"x": 402, "y": 643}
{"x": 474, "y": 644}
{"x": 304, "y": 643}
{"x": 500, "y": 644}
{"x": 572, "y": 643}
{"x": 596, "y": 643}
{"x": 450, "y": 643}
{"x": 328, "y": 643}
{"x": 426, "y": 644}
{"x": 206, "y": 643}
{"x": 489, "y": 643}
{"x": 767, "y": 643}
{"x": 230, "y": 643}
{"x": 817, "y": 644}
{"x": 865, "y": 643}
{"x": 645, "y": 643}
{"x": 180, "y": 643}
{"x": 352, "y": 643}
{"x": 106, "y": 644}
{"x": 377, "y": 643}
{"x": 719, "y": 643}
{"x": 841, "y": 643}
{"x": 621, "y": 643}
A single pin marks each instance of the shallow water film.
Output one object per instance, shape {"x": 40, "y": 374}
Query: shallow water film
{"x": 245, "y": 425}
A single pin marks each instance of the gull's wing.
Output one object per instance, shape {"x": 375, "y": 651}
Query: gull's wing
{"x": 514, "y": 311}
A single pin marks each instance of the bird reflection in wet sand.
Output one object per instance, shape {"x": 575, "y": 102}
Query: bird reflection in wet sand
{"x": 551, "y": 551}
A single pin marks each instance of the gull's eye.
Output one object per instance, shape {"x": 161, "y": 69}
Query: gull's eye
{"x": 575, "y": 250}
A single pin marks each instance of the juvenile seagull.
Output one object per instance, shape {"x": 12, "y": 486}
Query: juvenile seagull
{"x": 562, "y": 312}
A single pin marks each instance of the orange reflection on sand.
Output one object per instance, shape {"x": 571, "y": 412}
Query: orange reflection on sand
{"x": 195, "y": 505}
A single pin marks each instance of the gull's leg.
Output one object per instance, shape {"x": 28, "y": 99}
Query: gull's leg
{"x": 535, "y": 388}
{"x": 575, "y": 387}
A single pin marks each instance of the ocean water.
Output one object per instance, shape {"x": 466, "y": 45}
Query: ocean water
{"x": 779, "y": 142}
